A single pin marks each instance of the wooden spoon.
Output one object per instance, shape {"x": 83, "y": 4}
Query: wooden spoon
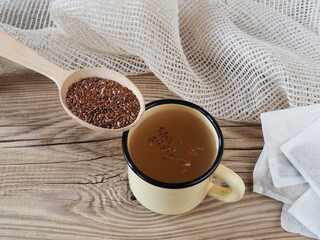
{"x": 15, "y": 51}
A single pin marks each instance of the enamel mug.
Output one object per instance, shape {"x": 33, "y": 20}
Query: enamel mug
{"x": 177, "y": 198}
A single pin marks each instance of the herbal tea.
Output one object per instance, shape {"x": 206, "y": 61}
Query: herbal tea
{"x": 173, "y": 144}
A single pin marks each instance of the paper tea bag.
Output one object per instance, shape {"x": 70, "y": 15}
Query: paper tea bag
{"x": 278, "y": 128}
{"x": 307, "y": 211}
{"x": 291, "y": 224}
{"x": 303, "y": 151}
{"x": 262, "y": 183}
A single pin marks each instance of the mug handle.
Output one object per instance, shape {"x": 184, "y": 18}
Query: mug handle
{"x": 236, "y": 188}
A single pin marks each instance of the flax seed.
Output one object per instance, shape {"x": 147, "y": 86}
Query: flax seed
{"x": 103, "y": 102}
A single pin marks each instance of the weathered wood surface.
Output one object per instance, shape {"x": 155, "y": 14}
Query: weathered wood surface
{"x": 59, "y": 180}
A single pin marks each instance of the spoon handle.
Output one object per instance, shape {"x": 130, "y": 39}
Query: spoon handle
{"x": 17, "y": 52}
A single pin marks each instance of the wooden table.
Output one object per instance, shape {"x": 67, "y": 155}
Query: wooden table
{"x": 59, "y": 180}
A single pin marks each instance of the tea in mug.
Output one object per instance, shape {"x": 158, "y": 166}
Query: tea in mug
{"x": 173, "y": 144}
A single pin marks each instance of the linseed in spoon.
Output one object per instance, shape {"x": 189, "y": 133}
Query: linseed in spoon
{"x": 103, "y": 103}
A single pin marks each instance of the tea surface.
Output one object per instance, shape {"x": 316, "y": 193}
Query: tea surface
{"x": 173, "y": 144}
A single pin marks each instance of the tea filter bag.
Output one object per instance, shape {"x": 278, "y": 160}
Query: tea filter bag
{"x": 307, "y": 211}
{"x": 263, "y": 183}
{"x": 291, "y": 224}
{"x": 278, "y": 128}
{"x": 303, "y": 151}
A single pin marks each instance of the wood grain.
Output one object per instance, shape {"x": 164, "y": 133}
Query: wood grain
{"x": 59, "y": 180}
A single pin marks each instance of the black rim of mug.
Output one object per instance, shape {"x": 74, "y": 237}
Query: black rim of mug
{"x": 183, "y": 184}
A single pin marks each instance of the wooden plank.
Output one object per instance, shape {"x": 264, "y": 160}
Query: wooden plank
{"x": 59, "y": 180}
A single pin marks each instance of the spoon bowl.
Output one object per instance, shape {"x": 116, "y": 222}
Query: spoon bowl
{"x": 77, "y": 75}
{"x": 15, "y": 51}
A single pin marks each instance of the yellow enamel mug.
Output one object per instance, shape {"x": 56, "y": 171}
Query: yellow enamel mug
{"x": 177, "y": 198}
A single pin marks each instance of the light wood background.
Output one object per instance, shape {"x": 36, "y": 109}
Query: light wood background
{"x": 59, "y": 180}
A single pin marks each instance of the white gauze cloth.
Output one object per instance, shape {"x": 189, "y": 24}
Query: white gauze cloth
{"x": 303, "y": 151}
{"x": 279, "y": 127}
{"x": 262, "y": 183}
{"x": 235, "y": 58}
